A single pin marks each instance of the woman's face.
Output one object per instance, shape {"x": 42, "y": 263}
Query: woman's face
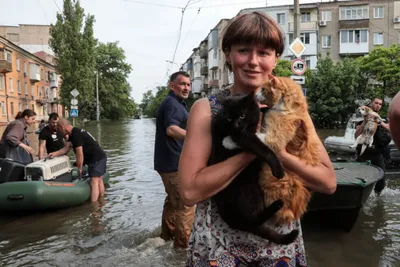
{"x": 30, "y": 120}
{"x": 251, "y": 65}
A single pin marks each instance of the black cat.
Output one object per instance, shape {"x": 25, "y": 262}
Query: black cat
{"x": 241, "y": 203}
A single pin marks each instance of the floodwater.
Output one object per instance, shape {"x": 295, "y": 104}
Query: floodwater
{"x": 123, "y": 229}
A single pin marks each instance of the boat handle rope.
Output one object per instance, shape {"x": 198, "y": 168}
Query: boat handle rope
{"x": 15, "y": 197}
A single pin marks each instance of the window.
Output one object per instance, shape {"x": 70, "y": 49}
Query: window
{"x": 280, "y": 18}
{"x": 19, "y": 86}
{"x": 32, "y": 89}
{"x": 19, "y": 107}
{"x": 354, "y": 12}
{"x": 378, "y": 12}
{"x": 38, "y": 92}
{"x": 305, "y": 38}
{"x": 3, "y": 108}
{"x": 378, "y": 38}
{"x": 25, "y": 70}
{"x": 291, "y": 38}
{"x": 307, "y": 60}
{"x": 7, "y": 56}
{"x": 27, "y": 106}
{"x": 26, "y": 88}
{"x": 326, "y": 41}
{"x": 12, "y": 108}
{"x": 354, "y": 36}
{"x": 2, "y": 82}
{"x": 11, "y": 86}
{"x": 18, "y": 67}
{"x": 305, "y": 17}
{"x": 326, "y": 15}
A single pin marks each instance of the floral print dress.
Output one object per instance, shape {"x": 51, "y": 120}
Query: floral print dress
{"x": 214, "y": 243}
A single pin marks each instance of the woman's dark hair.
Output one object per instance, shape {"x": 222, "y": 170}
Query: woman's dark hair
{"x": 253, "y": 29}
{"x": 26, "y": 112}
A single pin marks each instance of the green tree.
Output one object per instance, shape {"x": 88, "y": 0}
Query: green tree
{"x": 74, "y": 45}
{"x": 147, "y": 99}
{"x": 382, "y": 67}
{"x": 332, "y": 91}
{"x": 283, "y": 68}
{"x": 114, "y": 89}
{"x": 152, "y": 108}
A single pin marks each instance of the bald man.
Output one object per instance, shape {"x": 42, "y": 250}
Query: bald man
{"x": 88, "y": 152}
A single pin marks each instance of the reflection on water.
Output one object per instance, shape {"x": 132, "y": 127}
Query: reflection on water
{"x": 123, "y": 229}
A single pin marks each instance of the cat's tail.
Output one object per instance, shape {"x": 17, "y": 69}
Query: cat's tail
{"x": 275, "y": 237}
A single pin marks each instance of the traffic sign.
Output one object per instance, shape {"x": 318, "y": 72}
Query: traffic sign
{"x": 74, "y": 107}
{"x": 298, "y": 79}
{"x": 299, "y": 66}
{"x": 73, "y": 113}
{"x": 297, "y": 47}
{"x": 74, "y": 93}
{"x": 74, "y": 102}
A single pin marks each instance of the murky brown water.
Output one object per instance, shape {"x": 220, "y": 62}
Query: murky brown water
{"x": 123, "y": 230}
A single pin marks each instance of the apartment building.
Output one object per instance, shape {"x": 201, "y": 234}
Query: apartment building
{"x": 33, "y": 38}
{"x": 340, "y": 28}
{"x": 26, "y": 81}
{"x": 354, "y": 28}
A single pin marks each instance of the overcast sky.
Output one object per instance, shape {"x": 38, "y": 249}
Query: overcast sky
{"x": 146, "y": 29}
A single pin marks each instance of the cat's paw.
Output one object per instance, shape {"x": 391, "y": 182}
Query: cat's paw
{"x": 228, "y": 143}
{"x": 261, "y": 136}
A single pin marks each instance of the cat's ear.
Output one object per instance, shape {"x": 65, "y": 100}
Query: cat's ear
{"x": 273, "y": 80}
{"x": 223, "y": 100}
{"x": 249, "y": 97}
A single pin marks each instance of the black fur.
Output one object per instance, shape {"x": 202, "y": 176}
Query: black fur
{"x": 241, "y": 203}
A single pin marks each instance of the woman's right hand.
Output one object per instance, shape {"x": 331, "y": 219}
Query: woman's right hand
{"x": 27, "y": 148}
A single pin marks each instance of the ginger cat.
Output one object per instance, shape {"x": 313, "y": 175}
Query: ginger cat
{"x": 288, "y": 125}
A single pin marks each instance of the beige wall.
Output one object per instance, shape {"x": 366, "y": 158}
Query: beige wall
{"x": 26, "y": 34}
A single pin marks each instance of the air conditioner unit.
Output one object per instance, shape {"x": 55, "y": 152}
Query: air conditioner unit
{"x": 396, "y": 19}
{"x": 322, "y": 23}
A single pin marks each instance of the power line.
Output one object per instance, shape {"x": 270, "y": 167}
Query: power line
{"x": 195, "y": 18}
{"x": 57, "y": 6}
{"x": 179, "y": 34}
{"x": 233, "y": 4}
{"x": 152, "y": 4}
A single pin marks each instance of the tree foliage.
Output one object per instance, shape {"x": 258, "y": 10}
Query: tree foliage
{"x": 283, "y": 68}
{"x": 114, "y": 89}
{"x": 74, "y": 45}
{"x": 331, "y": 91}
{"x": 382, "y": 67}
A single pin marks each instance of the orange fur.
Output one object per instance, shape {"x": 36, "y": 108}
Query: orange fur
{"x": 287, "y": 125}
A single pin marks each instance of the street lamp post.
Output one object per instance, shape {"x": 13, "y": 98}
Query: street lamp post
{"x": 172, "y": 62}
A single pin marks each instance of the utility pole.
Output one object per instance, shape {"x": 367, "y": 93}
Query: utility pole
{"x": 97, "y": 97}
{"x": 296, "y": 19}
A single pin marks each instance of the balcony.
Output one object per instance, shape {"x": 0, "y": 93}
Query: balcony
{"x": 5, "y": 66}
{"x": 204, "y": 71}
{"x": 354, "y": 24}
{"x": 34, "y": 72}
{"x": 53, "y": 80}
{"x": 305, "y": 26}
{"x": 213, "y": 83}
{"x": 204, "y": 52}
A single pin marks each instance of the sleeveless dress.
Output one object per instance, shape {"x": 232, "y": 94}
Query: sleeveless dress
{"x": 214, "y": 243}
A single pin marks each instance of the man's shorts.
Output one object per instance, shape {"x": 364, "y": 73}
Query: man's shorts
{"x": 97, "y": 168}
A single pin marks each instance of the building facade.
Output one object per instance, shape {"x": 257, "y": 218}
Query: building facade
{"x": 340, "y": 28}
{"x": 26, "y": 81}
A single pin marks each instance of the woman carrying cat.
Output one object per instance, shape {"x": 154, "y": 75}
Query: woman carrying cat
{"x": 252, "y": 44}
